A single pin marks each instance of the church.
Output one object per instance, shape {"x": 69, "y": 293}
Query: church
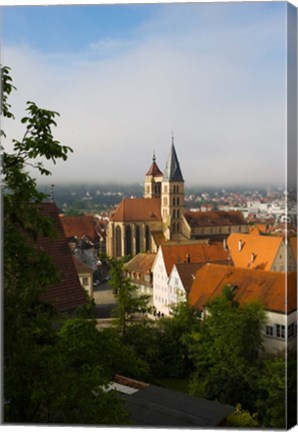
{"x": 143, "y": 224}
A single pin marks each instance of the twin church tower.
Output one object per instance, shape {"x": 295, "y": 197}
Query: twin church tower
{"x": 142, "y": 224}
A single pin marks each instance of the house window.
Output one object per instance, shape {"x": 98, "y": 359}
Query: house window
{"x": 85, "y": 281}
{"x": 269, "y": 330}
{"x": 280, "y": 331}
{"x": 291, "y": 330}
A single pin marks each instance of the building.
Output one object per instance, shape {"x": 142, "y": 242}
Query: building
{"x": 143, "y": 224}
{"x": 214, "y": 225}
{"x": 139, "y": 271}
{"x": 152, "y": 406}
{"x": 276, "y": 291}
{"x": 166, "y": 294}
{"x": 85, "y": 274}
{"x": 67, "y": 294}
{"x": 271, "y": 253}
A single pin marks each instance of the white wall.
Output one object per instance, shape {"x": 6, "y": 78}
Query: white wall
{"x": 160, "y": 285}
{"x": 274, "y": 343}
{"x": 176, "y": 289}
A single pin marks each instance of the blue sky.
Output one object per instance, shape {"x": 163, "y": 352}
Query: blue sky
{"x": 123, "y": 77}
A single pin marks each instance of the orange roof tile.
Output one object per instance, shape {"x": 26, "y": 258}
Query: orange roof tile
{"x": 264, "y": 249}
{"x": 142, "y": 263}
{"x": 138, "y": 210}
{"x": 214, "y": 218}
{"x": 192, "y": 252}
{"x": 79, "y": 226}
{"x": 267, "y": 288}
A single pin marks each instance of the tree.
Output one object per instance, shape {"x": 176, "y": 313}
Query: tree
{"x": 241, "y": 418}
{"x": 226, "y": 352}
{"x": 130, "y": 304}
{"x": 277, "y": 399}
{"x": 48, "y": 377}
{"x": 177, "y": 333}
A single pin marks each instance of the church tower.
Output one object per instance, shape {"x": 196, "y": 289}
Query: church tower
{"x": 172, "y": 199}
{"x": 153, "y": 178}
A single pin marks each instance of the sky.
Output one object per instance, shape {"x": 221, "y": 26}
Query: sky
{"x": 124, "y": 78}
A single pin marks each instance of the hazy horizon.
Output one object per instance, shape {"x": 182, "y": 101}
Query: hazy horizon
{"x": 123, "y": 77}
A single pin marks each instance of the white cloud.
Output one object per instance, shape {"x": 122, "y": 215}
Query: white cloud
{"x": 221, "y": 91}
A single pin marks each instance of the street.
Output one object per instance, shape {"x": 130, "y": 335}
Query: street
{"x": 104, "y": 299}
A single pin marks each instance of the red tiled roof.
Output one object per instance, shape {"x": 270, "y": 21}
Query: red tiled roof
{"x": 137, "y": 210}
{"x": 263, "y": 247}
{"x": 268, "y": 288}
{"x": 193, "y": 253}
{"x": 79, "y": 226}
{"x": 187, "y": 272}
{"x": 68, "y": 293}
{"x": 214, "y": 218}
{"x": 154, "y": 171}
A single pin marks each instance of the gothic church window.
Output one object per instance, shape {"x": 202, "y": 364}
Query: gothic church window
{"x": 118, "y": 241}
{"x": 128, "y": 241}
{"x": 138, "y": 248}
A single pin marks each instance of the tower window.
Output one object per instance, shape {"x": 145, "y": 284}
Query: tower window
{"x": 177, "y": 189}
{"x": 174, "y": 201}
{"x": 165, "y": 201}
{"x": 178, "y": 201}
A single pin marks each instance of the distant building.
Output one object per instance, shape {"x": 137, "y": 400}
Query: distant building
{"x": 214, "y": 225}
{"x": 277, "y": 292}
{"x": 143, "y": 224}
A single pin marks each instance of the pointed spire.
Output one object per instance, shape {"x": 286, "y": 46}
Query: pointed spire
{"x": 154, "y": 170}
{"x": 172, "y": 170}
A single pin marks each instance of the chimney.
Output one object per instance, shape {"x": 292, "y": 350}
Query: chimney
{"x": 239, "y": 245}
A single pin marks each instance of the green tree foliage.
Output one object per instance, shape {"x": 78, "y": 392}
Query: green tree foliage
{"x": 277, "y": 390}
{"x": 49, "y": 376}
{"x": 225, "y": 355}
{"x": 241, "y": 418}
{"x": 130, "y": 304}
{"x": 176, "y": 332}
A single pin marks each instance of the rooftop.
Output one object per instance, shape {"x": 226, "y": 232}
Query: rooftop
{"x": 192, "y": 252}
{"x": 275, "y": 291}
{"x": 68, "y": 293}
{"x": 138, "y": 209}
{"x": 214, "y": 218}
{"x": 253, "y": 251}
